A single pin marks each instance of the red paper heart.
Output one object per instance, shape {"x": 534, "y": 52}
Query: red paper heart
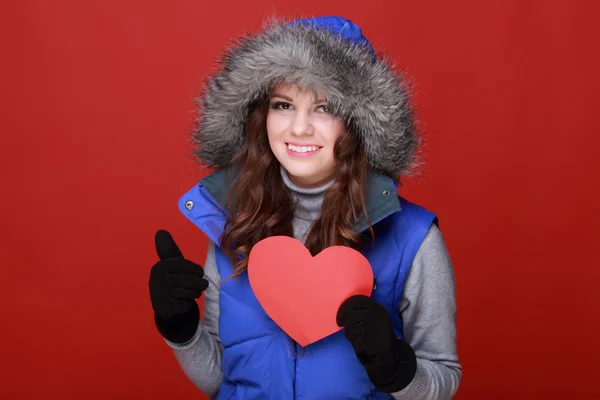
{"x": 302, "y": 293}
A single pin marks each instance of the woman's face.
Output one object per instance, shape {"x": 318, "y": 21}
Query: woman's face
{"x": 302, "y": 133}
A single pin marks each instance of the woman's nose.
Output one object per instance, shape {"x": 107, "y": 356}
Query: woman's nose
{"x": 302, "y": 124}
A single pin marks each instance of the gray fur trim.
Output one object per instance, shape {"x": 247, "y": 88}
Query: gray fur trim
{"x": 362, "y": 90}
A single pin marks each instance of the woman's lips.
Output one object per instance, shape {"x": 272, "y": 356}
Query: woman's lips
{"x": 301, "y": 154}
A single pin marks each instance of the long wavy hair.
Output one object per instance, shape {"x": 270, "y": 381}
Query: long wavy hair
{"x": 263, "y": 206}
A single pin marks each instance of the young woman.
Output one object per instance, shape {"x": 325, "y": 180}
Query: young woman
{"x": 309, "y": 132}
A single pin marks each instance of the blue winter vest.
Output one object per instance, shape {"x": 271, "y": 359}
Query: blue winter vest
{"x": 260, "y": 361}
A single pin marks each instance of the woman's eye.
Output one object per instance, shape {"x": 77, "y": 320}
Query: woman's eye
{"x": 280, "y": 105}
{"x": 325, "y": 108}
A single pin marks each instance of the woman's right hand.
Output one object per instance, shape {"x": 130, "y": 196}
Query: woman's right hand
{"x": 175, "y": 284}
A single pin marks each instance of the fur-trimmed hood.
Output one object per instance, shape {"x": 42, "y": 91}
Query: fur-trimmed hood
{"x": 327, "y": 54}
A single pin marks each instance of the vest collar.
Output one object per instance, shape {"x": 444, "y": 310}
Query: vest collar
{"x": 380, "y": 195}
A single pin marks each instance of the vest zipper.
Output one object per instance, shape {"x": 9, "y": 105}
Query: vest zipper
{"x": 294, "y": 351}
{"x": 300, "y": 350}
{"x": 290, "y": 347}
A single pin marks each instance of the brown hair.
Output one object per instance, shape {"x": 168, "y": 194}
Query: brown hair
{"x": 264, "y": 206}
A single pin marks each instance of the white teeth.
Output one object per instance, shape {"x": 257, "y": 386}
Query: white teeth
{"x": 302, "y": 149}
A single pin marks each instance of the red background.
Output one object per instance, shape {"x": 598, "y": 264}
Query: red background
{"x": 96, "y": 104}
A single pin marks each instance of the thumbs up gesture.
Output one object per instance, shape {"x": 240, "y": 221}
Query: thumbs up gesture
{"x": 174, "y": 284}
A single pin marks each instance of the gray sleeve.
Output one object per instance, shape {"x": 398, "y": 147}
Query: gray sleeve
{"x": 428, "y": 309}
{"x": 200, "y": 358}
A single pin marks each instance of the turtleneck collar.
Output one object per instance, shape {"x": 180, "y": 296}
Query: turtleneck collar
{"x": 308, "y": 200}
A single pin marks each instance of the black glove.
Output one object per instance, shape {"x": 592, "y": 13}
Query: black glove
{"x": 175, "y": 283}
{"x": 390, "y": 362}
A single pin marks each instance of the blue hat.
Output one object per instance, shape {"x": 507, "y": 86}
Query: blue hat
{"x": 339, "y": 26}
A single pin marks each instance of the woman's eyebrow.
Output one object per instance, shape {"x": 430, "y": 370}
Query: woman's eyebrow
{"x": 282, "y": 96}
{"x": 292, "y": 100}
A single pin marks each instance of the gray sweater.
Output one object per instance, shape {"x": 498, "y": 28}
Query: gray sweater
{"x": 428, "y": 310}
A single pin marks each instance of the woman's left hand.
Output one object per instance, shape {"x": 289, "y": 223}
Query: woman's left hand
{"x": 390, "y": 362}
